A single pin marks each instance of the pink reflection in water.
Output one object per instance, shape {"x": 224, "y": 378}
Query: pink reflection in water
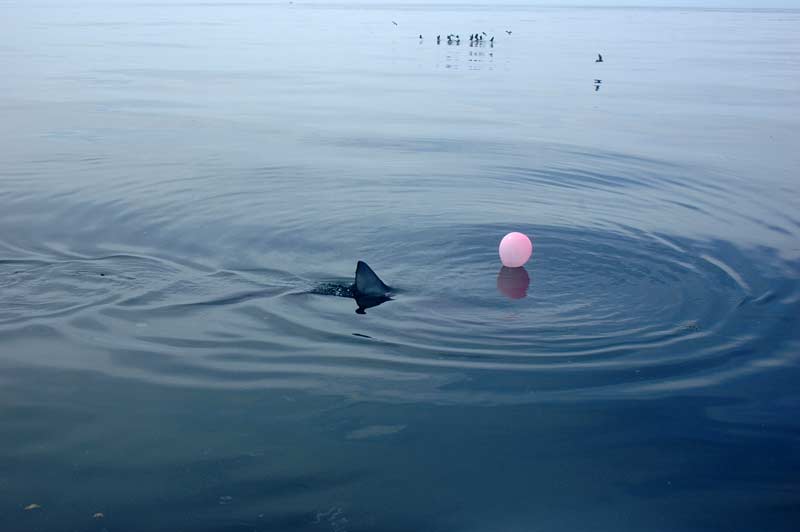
{"x": 513, "y": 282}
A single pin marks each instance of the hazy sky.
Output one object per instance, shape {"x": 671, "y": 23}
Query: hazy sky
{"x": 648, "y": 3}
{"x": 681, "y": 3}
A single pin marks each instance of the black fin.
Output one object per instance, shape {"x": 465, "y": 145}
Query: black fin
{"x": 368, "y": 283}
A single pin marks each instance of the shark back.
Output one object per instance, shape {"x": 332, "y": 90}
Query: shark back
{"x": 368, "y": 283}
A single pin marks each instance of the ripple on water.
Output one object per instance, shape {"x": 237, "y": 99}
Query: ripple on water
{"x": 34, "y": 290}
{"x": 607, "y": 313}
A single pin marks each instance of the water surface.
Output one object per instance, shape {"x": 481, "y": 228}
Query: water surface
{"x": 178, "y": 180}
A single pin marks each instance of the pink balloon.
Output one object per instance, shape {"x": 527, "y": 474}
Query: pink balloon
{"x": 515, "y": 250}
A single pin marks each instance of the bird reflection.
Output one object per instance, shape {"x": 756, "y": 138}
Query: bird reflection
{"x": 513, "y": 282}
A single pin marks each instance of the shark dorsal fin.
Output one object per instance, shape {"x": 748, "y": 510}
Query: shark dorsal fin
{"x": 367, "y": 281}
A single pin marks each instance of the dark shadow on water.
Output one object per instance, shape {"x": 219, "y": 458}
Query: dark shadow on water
{"x": 513, "y": 282}
{"x": 365, "y": 302}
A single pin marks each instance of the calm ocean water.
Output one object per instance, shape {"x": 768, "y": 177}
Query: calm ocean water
{"x": 178, "y": 180}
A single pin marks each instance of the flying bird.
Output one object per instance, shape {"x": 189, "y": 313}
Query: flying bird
{"x": 508, "y": 31}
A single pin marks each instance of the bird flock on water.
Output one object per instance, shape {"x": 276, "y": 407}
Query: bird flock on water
{"x": 475, "y": 39}
{"x": 481, "y": 38}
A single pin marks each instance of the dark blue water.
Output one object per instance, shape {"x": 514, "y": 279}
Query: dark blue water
{"x": 183, "y": 187}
